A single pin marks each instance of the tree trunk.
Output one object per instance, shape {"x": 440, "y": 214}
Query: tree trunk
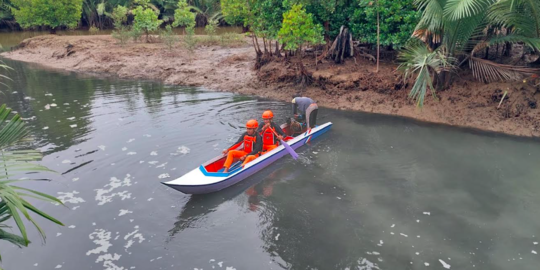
{"x": 264, "y": 44}
{"x": 303, "y": 76}
{"x": 342, "y": 47}
{"x": 52, "y": 31}
{"x": 278, "y": 51}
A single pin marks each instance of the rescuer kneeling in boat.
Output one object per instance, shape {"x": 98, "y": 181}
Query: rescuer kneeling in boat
{"x": 252, "y": 146}
{"x": 270, "y": 132}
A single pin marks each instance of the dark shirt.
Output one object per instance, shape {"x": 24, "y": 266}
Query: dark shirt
{"x": 276, "y": 127}
{"x": 257, "y": 146}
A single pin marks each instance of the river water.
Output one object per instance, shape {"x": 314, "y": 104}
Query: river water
{"x": 375, "y": 192}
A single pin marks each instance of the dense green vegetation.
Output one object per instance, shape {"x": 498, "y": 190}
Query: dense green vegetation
{"x": 435, "y": 37}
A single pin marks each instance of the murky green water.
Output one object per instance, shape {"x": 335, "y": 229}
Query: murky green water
{"x": 375, "y": 192}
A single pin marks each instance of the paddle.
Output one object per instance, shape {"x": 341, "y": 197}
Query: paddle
{"x": 287, "y": 146}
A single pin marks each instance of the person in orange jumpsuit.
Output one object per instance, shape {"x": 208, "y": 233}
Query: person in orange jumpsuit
{"x": 252, "y": 146}
{"x": 270, "y": 140}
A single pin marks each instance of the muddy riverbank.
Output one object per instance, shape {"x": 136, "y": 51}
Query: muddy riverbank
{"x": 352, "y": 86}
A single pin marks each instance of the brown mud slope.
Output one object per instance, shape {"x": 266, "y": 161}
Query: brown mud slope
{"x": 353, "y": 85}
{"x": 356, "y": 86}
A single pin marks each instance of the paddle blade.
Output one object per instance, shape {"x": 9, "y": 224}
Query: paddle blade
{"x": 290, "y": 150}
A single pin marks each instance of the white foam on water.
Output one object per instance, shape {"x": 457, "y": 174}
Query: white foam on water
{"x": 364, "y": 264}
{"x": 28, "y": 98}
{"x": 162, "y": 165}
{"x": 141, "y": 161}
{"x": 393, "y": 225}
{"x": 220, "y": 264}
{"x": 53, "y": 105}
{"x": 45, "y": 128}
{"x": 131, "y": 220}
{"x": 102, "y": 147}
{"x": 101, "y": 238}
{"x": 71, "y": 118}
{"x": 339, "y": 198}
{"x": 35, "y": 264}
{"x": 427, "y": 213}
{"x": 131, "y": 153}
{"x": 93, "y": 224}
{"x": 131, "y": 140}
{"x": 444, "y": 264}
{"x": 47, "y": 107}
{"x": 75, "y": 208}
{"x": 403, "y": 234}
{"x": 277, "y": 237}
{"x": 418, "y": 236}
{"x": 75, "y": 179}
{"x": 69, "y": 197}
{"x": 533, "y": 252}
{"x": 58, "y": 266}
{"x": 535, "y": 243}
{"x": 124, "y": 212}
{"x": 67, "y": 104}
{"x": 65, "y": 161}
{"x": 153, "y": 162}
{"x": 149, "y": 199}
{"x": 392, "y": 233}
{"x": 106, "y": 195}
{"x": 417, "y": 253}
{"x": 380, "y": 243}
{"x": 147, "y": 135}
{"x": 124, "y": 148}
{"x": 73, "y": 126}
{"x": 108, "y": 261}
{"x": 48, "y": 94}
{"x": 153, "y": 153}
{"x": 135, "y": 235}
{"x": 183, "y": 150}
{"x": 58, "y": 234}
{"x": 230, "y": 268}
{"x": 72, "y": 226}
{"x": 426, "y": 264}
{"x": 164, "y": 175}
{"x": 418, "y": 221}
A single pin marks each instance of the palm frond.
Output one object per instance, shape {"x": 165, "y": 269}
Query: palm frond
{"x": 12, "y": 238}
{"x": 489, "y": 71}
{"x": 522, "y": 16}
{"x": 460, "y": 9}
{"x": 418, "y": 60}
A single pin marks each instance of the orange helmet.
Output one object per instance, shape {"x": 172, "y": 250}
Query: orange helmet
{"x": 252, "y": 124}
{"x": 268, "y": 115}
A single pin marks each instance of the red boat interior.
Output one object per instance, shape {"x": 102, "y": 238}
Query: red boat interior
{"x": 217, "y": 165}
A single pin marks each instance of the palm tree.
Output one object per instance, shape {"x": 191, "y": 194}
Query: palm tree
{"x": 454, "y": 32}
{"x": 13, "y": 203}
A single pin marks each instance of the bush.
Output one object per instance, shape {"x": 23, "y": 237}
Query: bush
{"x": 190, "y": 41}
{"x": 93, "y": 30}
{"x": 135, "y": 34}
{"x": 122, "y": 34}
{"x": 168, "y": 37}
{"x": 146, "y": 20}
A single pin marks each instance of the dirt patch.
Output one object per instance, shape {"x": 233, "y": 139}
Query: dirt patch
{"x": 353, "y": 85}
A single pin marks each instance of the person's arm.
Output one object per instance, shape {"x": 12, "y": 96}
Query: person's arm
{"x": 236, "y": 144}
{"x": 279, "y": 130}
{"x": 257, "y": 148}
